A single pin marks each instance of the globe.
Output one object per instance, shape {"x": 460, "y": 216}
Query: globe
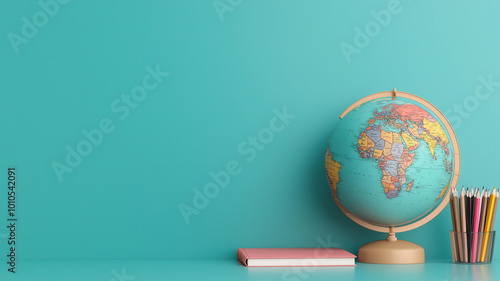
{"x": 391, "y": 161}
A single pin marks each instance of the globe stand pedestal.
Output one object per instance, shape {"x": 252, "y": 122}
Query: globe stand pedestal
{"x": 391, "y": 251}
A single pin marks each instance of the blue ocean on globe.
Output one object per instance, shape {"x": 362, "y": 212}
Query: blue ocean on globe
{"x": 390, "y": 162}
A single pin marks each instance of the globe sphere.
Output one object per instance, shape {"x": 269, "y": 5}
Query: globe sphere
{"x": 390, "y": 162}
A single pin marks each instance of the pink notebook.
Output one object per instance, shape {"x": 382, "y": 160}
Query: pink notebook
{"x": 295, "y": 257}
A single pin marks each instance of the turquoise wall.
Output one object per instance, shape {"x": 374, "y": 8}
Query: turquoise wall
{"x": 115, "y": 115}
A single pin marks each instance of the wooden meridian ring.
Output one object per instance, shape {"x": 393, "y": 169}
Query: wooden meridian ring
{"x": 456, "y": 171}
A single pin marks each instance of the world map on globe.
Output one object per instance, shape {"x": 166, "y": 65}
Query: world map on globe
{"x": 390, "y": 162}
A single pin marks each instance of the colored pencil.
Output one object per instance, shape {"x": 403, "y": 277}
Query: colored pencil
{"x": 487, "y": 225}
{"x": 494, "y": 210}
{"x": 490, "y": 245}
{"x": 456, "y": 227}
{"x": 482, "y": 219}
{"x": 477, "y": 211}
{"x": 466, "y": 202}
{"x": 464, "y": 225}
{"x": 454, "y": 247}
{"x": 468, "y": 211}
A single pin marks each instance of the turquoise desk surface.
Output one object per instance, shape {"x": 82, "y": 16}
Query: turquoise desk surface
{"x": 151, "y": 270}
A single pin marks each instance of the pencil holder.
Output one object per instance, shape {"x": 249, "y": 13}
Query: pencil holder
{"x": 472, "y": 247}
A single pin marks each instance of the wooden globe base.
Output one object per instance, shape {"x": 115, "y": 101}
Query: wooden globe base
{"x": 391, "y": 251}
